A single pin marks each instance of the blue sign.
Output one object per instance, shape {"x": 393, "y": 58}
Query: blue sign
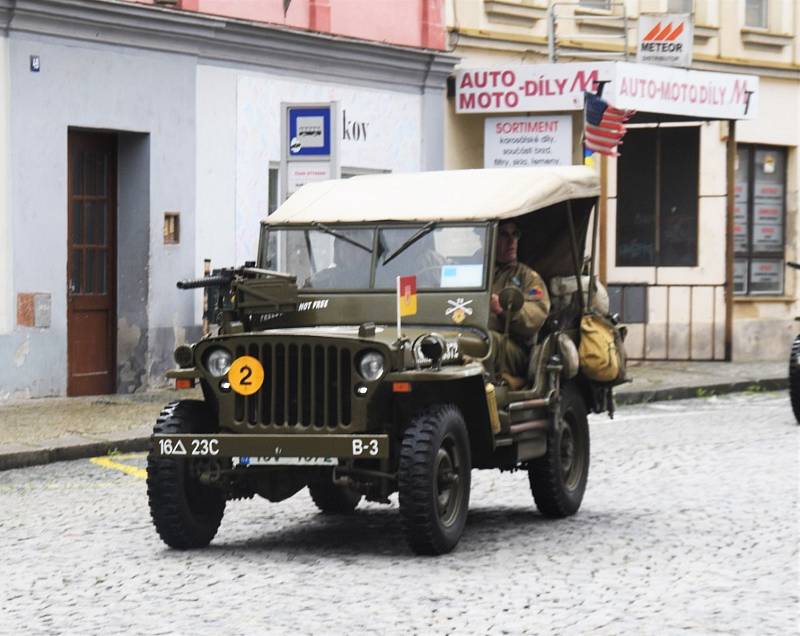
{"x": 310, "y": 132}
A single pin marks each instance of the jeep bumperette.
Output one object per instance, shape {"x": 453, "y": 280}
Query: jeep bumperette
{"x": 311, "y": 379}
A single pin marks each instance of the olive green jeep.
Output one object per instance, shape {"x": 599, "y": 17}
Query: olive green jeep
{"x": 313, "y": 379}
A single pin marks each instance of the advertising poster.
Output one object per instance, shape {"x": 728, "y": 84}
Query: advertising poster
{"x": 766, "y": 276}
{"x": 517, "y": 142}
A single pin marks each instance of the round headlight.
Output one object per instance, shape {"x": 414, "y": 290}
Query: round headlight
{"x": 218, "y": 361}
{"x": 370, "y": 366}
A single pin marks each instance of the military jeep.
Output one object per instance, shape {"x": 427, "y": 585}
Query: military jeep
{"x": 312, "y": 378}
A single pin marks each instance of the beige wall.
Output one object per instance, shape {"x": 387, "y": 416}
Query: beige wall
{"x": 720, "y": 31}
{"x": 515, "y": 31}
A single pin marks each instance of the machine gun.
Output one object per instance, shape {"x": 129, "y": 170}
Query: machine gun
{"x": 238, "y": 295}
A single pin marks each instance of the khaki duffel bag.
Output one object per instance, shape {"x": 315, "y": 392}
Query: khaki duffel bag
{"x": 601, "y": 351}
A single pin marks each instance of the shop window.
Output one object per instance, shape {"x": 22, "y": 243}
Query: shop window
{"x": 629, "y": 301}
{"x": 272, "y": 202}
{"x": 756, "y": 13}
{"x": 657, "y": 186}
{"x": 356, "y": 172}
{"x": 759, "y": 220}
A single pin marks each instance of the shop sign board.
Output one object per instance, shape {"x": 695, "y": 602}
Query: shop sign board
{"x": 641, "y": 87}
{"x": 528, "y": 87}
{"x": 665, "y": 39}
{"x": 676, "y": 91}
{"x": 512, "y": 142}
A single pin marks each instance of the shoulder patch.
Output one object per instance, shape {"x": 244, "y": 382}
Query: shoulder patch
{"x": 535, "y": 292}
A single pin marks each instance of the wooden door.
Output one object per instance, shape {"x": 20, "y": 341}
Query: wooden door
{"x": 91, "y": 263}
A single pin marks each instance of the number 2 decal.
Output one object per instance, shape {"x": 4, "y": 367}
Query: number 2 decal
{"x": 246, "y": 375}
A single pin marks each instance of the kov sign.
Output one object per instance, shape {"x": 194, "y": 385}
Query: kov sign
{"x": 666, "y": 38}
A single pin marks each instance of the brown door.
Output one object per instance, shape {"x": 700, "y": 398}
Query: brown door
{"x": 91, "y": 264}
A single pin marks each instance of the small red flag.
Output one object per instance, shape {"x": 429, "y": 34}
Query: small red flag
{"x": 407, "y": 295}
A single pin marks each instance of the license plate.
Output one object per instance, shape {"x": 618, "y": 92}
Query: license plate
{"x": 293, "y": 446}
{"x": 285, "y": 461}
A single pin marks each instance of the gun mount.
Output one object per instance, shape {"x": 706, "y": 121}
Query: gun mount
{"x": 240, "y": 294}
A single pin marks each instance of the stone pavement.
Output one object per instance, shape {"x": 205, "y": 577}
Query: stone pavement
{"x": 689, "y": 527}
{"x": 43, "y": 430}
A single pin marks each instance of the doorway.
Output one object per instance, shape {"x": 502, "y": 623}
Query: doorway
{"x": 91, "y": 263}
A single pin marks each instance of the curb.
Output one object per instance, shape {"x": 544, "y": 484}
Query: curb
{"x": 39, "y": 456}
{"x": 707, "y": 390}
{"x": 36, "y": 457}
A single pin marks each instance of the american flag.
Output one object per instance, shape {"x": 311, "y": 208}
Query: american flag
{"x": 603, "y": 125}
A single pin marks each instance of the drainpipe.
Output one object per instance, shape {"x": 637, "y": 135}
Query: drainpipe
{"x": 731, "y": 176}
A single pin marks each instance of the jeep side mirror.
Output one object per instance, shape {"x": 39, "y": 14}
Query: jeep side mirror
{"x": 511, "y": 299}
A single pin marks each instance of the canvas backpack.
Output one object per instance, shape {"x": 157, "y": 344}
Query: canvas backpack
{"x": 601, "y": 350}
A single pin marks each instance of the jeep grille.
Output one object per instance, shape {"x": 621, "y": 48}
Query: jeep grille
{"x": 304, "y": 385}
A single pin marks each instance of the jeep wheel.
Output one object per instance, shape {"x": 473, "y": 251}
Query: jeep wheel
{"x": 185, "y": 512}
{"x": 794, "y": 378}
{"x": 558, "y": 479}
{"x": 434, "y": 480}
{"x": 332, "y": 499}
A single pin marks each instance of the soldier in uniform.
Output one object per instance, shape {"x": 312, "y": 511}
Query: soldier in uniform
{"x": 510, "y": 356}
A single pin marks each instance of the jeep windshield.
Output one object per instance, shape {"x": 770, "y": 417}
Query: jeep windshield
{"x": 353, "y": 258}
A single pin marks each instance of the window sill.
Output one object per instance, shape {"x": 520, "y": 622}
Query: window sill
{"x": 752, "y": 36}
{"x": 525, "y": 14}
{"x": 763, "y": 299}
{"x": 605, "y": 19}
{"x": 703, "y": 33}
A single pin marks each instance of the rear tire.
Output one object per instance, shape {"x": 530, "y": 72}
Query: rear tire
{"x": 558, "y": 479}
{"x": 434, "y": 480}
{"x": 185, "y": 512}
{"x": 332, "y": 499}
{"x": 794, "y": 378}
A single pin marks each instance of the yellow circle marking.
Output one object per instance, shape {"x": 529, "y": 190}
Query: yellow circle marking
{"x": 246, "y": 375}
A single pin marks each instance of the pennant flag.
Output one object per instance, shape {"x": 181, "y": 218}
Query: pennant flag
{"x": 407, "y": 295}
{"x": 603, "y": 125}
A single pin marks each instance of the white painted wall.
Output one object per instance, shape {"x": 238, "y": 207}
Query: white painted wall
{"x": 238, "y": 136}
{"x": 6, "y": 272}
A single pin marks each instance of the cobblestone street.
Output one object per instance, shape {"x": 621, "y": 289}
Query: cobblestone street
{"x": 689, "y": 524}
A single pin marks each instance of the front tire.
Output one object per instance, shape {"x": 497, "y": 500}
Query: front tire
{"x": 332, "y": 499}
{"x": 185, "y": 512}
{"x": 794, "y": 378}
{"x": 558, "y": 479}
{"x": 434, "y": 480}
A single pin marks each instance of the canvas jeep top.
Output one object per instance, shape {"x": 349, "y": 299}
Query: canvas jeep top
{"x": 311, "y": 380}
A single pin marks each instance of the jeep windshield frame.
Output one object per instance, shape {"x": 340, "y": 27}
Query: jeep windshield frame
{"x": 445, "y": 256}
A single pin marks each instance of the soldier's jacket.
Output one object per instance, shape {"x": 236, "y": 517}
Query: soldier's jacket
{"x": 531, "y": 317}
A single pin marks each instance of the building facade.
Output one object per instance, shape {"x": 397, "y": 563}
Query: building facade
{"x": 138, "y": 141}
{"x": 664, "y": 208}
